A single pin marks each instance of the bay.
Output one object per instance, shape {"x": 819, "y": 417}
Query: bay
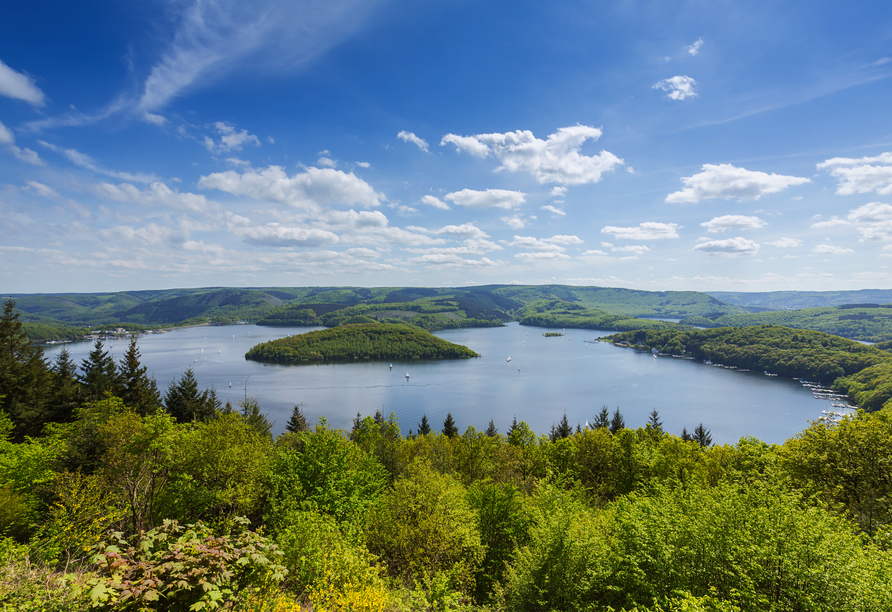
{"x": 545, "y": 378}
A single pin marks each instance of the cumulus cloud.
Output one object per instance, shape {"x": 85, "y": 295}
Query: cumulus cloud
{"x": 595, "y": 252}
{"x": 637, "y": 249}
{"x": 873, "y": 211}
{"x": 861, "y": 175}
{"x": 727, "y": 181}
{"x": 515, "y": 222}
{"x": 565, "y": 239}
{"x": 491, "y": 198}
{"x": 452, "y": 260}
{"x": 309, "y": 190}
{"x": 541, "y": 256}
{"x": 785, "y": 243}
{"x": 831, "y": 222}
{"x": 543, "y": 246}
{"x": 230, "y": 139}
{"x": 155, "y": 194}
{"x": 558, "y": 192}
{"x": 730, "y": 247}
{"x": 6, "y": 136}
{"x": 435, "y": 202}
{"x": 355, "y": 220}
{"x": 879, "y": 230}
{"x": 326, "y": 162}
{"x": 649, "y": 230}
{"x": 679, "y": 87}
{"x": 735, "y": 222}
{"x": 554, "y": 160}
{"x": 554, "y": 210}
{"x": 831, "y": 250}
{"x": 19, "y": 86}
{"x": 465, "y": 230}
{"x": 410, "y": 137}
{"x": 694, "y": 49}
{"x": 277, "y": 235}
{"x": 85, "y": 161}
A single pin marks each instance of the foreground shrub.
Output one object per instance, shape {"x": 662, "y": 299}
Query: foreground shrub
{"x": 176, "y": 568}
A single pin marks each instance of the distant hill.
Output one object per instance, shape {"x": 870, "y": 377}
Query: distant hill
{"x": 864, "y": 322}
{"x": 797, "y": 300}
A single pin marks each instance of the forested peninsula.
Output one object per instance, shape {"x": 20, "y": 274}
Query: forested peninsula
{"x": 861, "y": 371}
{"x": 358, "y": 342}
{"x": 116, "y": 497}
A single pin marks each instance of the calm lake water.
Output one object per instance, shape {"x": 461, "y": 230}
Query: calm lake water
{"x": 545, "y": 378}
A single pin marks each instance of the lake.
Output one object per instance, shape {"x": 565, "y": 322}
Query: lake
{"x": 545, "y": 378}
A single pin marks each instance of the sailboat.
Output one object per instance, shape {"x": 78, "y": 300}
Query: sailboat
{"x": 391, "y": 366}
{"x": 509, "y": 359}
{"x": 407, "y": 377}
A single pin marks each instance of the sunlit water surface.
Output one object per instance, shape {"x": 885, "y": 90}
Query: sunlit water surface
{"x": 545, "y": 378}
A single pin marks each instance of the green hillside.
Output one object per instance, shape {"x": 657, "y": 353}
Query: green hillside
{"x": 797, "y": 300}
{"x": 358, "y": 342}
{"x": 865, "y": 322}
{"x": 557, "y": 313}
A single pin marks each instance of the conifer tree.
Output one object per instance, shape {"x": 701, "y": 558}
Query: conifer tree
{"x": 66, "y": 390}
{"x": 137, "y": 390}
{"x": 654, "y": 422}
{"x": 561, "y": 430}
{"x": 25, "y": 377}
{"x": 617, "y": 422}
{"x": 185, "y": 403}
{"x": 702, "y": 436}
{"x": 491, "y": 430}
{"x": 298, "y": 422}
{"x": 253, "y": 417}
{"x": 513, "y": 426}
{"x": 602, "y": 419}
{"x": 450, "y": 430}
{"x": 424, "y": 427}
{"x": 685, "y": 436}
{"x": 99, "y": 373}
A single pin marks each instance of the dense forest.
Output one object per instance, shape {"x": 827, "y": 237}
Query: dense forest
{"x": 863, "y": 372}
{"x": 798, "y": 300}
{"x": 116, "y": 496}
{"x": 558, "y": 313}
{"x": 358, "y": 342}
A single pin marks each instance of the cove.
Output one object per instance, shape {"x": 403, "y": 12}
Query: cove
{"x": 545, "y": 378}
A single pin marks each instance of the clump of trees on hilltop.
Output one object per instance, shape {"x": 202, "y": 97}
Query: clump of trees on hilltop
{"x": 127, "y": 500}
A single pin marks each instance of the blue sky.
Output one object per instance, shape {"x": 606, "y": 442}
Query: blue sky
{"x": 664, "y": 146}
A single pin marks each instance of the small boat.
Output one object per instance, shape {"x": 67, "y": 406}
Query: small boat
{"x": 391, "y": 366}
{"x": 407, "y": 377}
{"x": 230, "y": 385}
{"x": 509, "y": 359}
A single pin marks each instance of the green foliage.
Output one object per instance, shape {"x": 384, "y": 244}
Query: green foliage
{"x": 186, "y": 403}
{"x": 178, "y": 568}
{"x": 558, "y": 313}
{"x": 367, "y": 341}
{"x": 100, "y": 374}
{"x": 424, "y": 526}
{"x": 867, "y": 322}
{"x": 138, "y": 391}
{"x": 322, "y": 471}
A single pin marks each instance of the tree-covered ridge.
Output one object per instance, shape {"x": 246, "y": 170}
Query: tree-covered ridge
{"x": 558, "y": 313}
{"x": 361, "y": 341}
{"x": 857, "y": 369}
{"x": 866, "y": 322}
{"x": 798, "y": 300}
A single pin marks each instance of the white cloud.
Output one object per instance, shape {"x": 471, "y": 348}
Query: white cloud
{"x": 861, "y": 175}
{"x": 880, "y": 230}
{"x": 435, "y": 202}
{"x": 649, "y": 230}
{"x": 19, "y": 86}
{"x": 831, "y": 250}
{"x": 679, "y": 87}
{"x": 364, "y": 164}
{"x": 873, "y": 211}
{"x": 6, "y": 136}
{"x": 326, "y": 162}
{"x": 735, "y": 222}
{"x": 730, "y": 247}
{"x": 451, "y": 260}
{"x": 410, "y": 137}
{"x": 554, "y": 210}
{"x": 42, "y": 190}
{"x": 277, "y": 235}
{"x": 491, "y": 198}
{"x": 595, "y": 252}
{"x": 307, "y": 190}
{"x": 558, "y": 192}
{"x": 154, "y": 119}
{"x": 541, "y": 256}
{"x": 230, "y": 139}
{"x": 353, "y": 220}
{"x": 155, "y": 194}
{"x": 785, "y": 243}
{"x": 85, "y": 161}
{"x": 213, "y": 39}
{"x": 727, "y": 181}
{"x": 555, "y": 160}
{"x": 465, "y": 230}
{"x": 516, "y": 222}
{"x": 565, "y": 239}
{"x": 637, "y": 249}
{"x": 831, "y": 222}
{"x": 694, "y": 49}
